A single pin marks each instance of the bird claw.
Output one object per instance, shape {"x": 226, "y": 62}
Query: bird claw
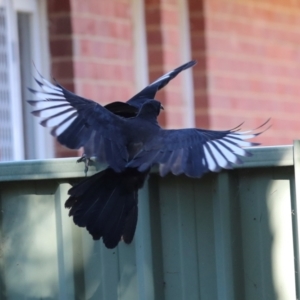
{"x": 86, "y": 161}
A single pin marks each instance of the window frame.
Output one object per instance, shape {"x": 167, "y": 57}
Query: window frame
{"x": 43, "y": 142}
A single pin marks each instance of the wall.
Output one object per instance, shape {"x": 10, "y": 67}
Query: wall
{"x": 252, "y": 51}
{"x": 92, "y": 49}
{"x": 248, "y": 59}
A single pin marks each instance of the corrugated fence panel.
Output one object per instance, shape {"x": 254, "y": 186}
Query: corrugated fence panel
{"x": 28, "y": 240}
{"x": 266, "y": 222}
{"x": 227, "y": 236}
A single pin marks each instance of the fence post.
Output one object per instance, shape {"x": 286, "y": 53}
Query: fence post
{"x": 296, "y": 154}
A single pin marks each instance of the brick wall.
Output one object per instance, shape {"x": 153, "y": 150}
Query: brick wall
{"x": 198, "y": 49}
{"x": 103, "y": 49}
{"x": 163, "y": 47}
{"x": 248, "y": 58}
{"x": 92, "y": 49}
{"x": 61, "y": 49}
{"x": 253, "y": 65}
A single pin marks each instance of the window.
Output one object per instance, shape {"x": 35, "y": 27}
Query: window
{"x": 6, "y": 130}
{"x": 23, "y": 41}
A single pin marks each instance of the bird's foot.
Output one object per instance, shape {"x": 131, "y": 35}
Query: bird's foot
{"x": 87, "y": 160}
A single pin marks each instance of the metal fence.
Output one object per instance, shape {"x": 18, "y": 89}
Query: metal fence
{"x": 226, "y": 236}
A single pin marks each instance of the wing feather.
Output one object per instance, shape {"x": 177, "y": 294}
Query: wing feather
{"x": 150, "y": 91}
{"x": 74, "y": 120}
{"x": 194, "y": 151}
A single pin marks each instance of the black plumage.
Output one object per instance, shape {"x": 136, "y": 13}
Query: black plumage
{"x": 107, "y": 204}
{"x": 128, "y": 138}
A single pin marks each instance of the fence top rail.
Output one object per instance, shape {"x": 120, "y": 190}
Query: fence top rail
{"x": 68, "y": 168}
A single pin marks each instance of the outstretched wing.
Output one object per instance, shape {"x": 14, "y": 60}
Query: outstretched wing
{"x": 76, "y": 120}
{"x": 193, "y": 151}
{"x": 150, "y": 91}
{"x": 131, "y": 107}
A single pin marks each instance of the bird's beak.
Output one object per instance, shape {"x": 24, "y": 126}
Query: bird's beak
{"x": 161, "y": 107}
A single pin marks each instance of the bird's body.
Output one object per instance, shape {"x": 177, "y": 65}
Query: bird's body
{"x": 128, "y": 138}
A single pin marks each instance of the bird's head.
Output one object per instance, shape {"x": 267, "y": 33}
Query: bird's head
{"x": 151, "y": 108}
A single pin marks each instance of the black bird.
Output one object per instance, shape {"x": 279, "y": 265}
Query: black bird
{"x": 131, "y": 107}
{"x": 128, "y": 138}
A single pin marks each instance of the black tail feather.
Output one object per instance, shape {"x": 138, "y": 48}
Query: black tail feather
{"x": 130, "y": 224}
{"x": 106, "y": 204}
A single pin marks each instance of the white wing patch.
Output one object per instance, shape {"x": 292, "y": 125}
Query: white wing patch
{"x": 234, "y": 147}
{"x": 58, "y": 130}
{"x": 165, "y": 76}
{"x": 52, "y": 106}
{"x": 174, "y": 72}
{"x": 46, "y": 84}
{"x": 47, "y": 112}
{"x": 221, "y": 161}
{"x": 224, "y": 151}
{"x": 242, "y": 136}
{"x": 59, "y": 118}
{"x": 53, "y": 96}
{"x": 240, "y": 143}
{"x": 212, "y": 166}
{"x": 198, "y": 151}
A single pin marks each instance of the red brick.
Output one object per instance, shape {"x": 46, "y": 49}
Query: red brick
{"x": 164, "y": 45}
{"x": 171, "y": 37}
{"x": 252, "y": 67}
{"x": 106, "y": 8}
{"x": 244, "y": 103}
{"x": 154, "y": 37}
{"x": 103, "y": 92}
{"x": 103, "y": 71}
{"x": 172, "y": 98}
{"x": 174, "y": 118}
{"x": 61, "y": 151}
{"x": 123, "y": 10}
{"x": 102, "y": 27}
{"x": 63, "y": 69}
{"x": 58, "y": 6}
{"x": 60, "y": 25}
{"x": 254, "y": 12}
{"x": 170, "y": 17}
{"x": 278, "y": 52}
{"x": 195, "y": 6}
{"x": 160, "y": 2}
{"x": 61, "y": 47}
{"x": 256, "y": 30}
{"x": 102, "y": 49}
{"x": 227, "y": 83}
{"x": 153, "y": 16}
{"x": 202, "y": 120}
{"x": 197, "y": 24}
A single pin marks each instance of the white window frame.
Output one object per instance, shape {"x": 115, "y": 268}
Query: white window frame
{"x": 43, "y": 143}
{"x": 186, "y": 55}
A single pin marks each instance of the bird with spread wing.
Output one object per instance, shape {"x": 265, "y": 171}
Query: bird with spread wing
{"x": 127, "y": 137}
